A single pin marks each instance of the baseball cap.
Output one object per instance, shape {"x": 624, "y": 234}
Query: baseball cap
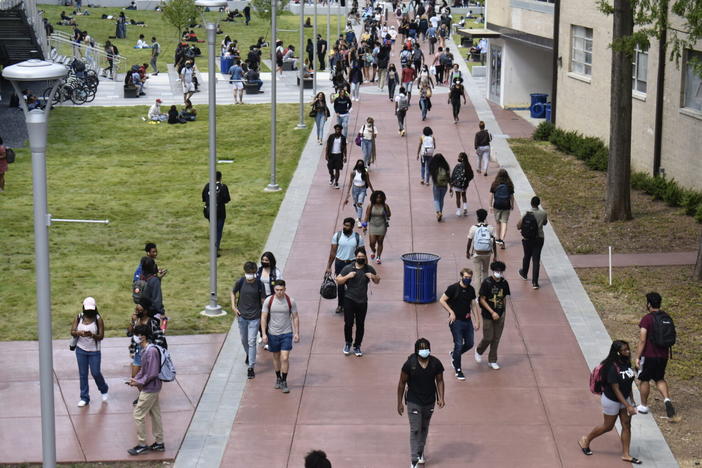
{"x": 159, "y": 101}
{"x": 89, "y": 304}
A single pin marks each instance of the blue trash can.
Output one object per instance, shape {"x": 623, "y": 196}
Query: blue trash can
{"x": 420, "y": 277}
{"x": 225, "y": 63}
{"x": 537, "y": 111}
{"x": 548, "y": 112}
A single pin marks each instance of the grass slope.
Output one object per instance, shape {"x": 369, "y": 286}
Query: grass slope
{"x": 147, "y": 180}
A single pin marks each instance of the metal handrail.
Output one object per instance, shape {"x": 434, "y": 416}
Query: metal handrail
{"x": 94, "y": 57}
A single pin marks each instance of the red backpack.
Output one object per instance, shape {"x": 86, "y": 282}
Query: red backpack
{"x": 598, "y": 380}
{"x": 287, "y": 298}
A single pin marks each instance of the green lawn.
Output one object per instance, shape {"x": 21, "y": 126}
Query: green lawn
{"x": 147, "y": 180}
{"x": 101, "y": 29}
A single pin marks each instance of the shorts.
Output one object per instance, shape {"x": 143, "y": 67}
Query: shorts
{"x": 136, "y": 361}
{"x": 502, "y": 216}
{"x": 238, "y": 85}
{"x": 612, "y": 408}
{"x": 458, "y": 189}
{"x": 336, "y": 161}
{"x": 278, "y": 343}
{"x": 652, "y": 368}
{"x": 188, "y": 87}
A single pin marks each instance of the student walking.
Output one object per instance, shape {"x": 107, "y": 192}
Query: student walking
{"x": 321, "y": 113}
{"x": 368, "y": 133}
{"x": 456, "y": 92}
{"x": 656, "y": 336}
{"x": 222, "y": 196}
{"x": 425, "y": 151}
{"x": 377, "y": 221}
{"x": 425, "y": 94}
{"x": 155, "y": 52}
{"x": 280, "y": 323}
{"x": 532, "y": 228}
{"x": 359, "y": 183}
{"x": 342, "y": 253}
{"x": 459, "y": 300}
{"x": 617, "y": 402}
{"x": 393, "y": 81}
{"x": 355, "y": 278}
{"x": 440, "y": 177}
{"x": 502, "y": 203}
{"x": 493, "y": 305}
{"x": 335, "y": 155}
{"x": 268, "y": 273}
{"x": 422, "y": 377}
{"x": 247, "y": 297}
{"x": 401, "y": 105}
{"x": 461, "y": 176}
{"x": 88, "y": 330}
{"x": 482, "y": 148}
{"x": 342, "y": 108}
{"x": 481, "y": 245}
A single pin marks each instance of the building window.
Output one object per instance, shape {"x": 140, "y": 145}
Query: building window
{"x": 581, "y": 50}
{"x": 639, "y": 70}
{"x": 692, "y": 95}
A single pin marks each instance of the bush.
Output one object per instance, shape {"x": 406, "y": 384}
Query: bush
{"x": 698, "y": 214}
{"x": 673, "y": 194}
{"x": 691, "y": 200}
{"x": 543, "y": 131}
{"x": 599, "y": 160}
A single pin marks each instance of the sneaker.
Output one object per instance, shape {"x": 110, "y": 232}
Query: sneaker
{"x": 534, "y": 285}
{"x": 105, "y": 396}
{"x": 451, "y": 358}
{"x": 259, "y": 338}
{"x": 331, "y": 182}
{"x": 339, "y": 309}
{"x": 358, "y": 224}
{"x": 413, "y": 464}
{"x": 82, "y": 403}
{"x": 157, "y": 447}
{"x": 458, "y": 212}
{"x": 494, "y": 366}
{"x": 347, "y": 349}
{"x": 378, "y": 261}
{"x": 522, "y": 275}
{"x": 478, "y": 357}
{"x": 138, "y": 450}
{"x": 669, "y": 409}
{"x": 372, "y": 255}
{"x": 357, "y": 351}
{"x": 251, "y": 374}
{"x": 336, "y": 185}
{"x": 642, "y": 409}
{"x": 284, "y": 386}
{"x": 465, "y": 212}
{"x": 421, "y": 460}
{"x": 459, "y": 375}
{"x": 277, "y": 383}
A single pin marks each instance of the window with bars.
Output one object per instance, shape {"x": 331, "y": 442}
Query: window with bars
{"x": 581, "y": 50}
{"x": 692, "y": 93}
{"x": 639, "y": 70}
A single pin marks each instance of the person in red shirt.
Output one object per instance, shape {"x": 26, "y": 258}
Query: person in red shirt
{"x": 652, "y": 359}
{"x": 408, "y": 76}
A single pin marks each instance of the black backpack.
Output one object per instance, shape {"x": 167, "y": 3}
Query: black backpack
{"x": 530, "y": 227}
{"x": 9, "y": 155}
{"x": 501, "y": 197}
{"x": 663, "y": 334}
{"x": 328, "y": 288}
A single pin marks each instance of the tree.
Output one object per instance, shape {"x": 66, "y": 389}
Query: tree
{"x": 698, "y": 266}
{"x": 263, "y": 7}
{"x": 180, "y": 14}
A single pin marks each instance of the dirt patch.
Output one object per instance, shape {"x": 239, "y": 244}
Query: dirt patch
{"x": 574, "y": 197}
{"x": 622, "y": 305}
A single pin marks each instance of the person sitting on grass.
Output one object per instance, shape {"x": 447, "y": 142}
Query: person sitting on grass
{"x": 155, "y": 113}
{"x": 188, "y": 113}
{"x": 141, "y": 43}
{"x": 174, "y": 117}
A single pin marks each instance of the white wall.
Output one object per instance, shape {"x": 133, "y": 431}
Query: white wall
{"x": 525, "y": 70}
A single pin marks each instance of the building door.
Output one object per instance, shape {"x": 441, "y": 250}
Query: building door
{"x": 495, "y": 72}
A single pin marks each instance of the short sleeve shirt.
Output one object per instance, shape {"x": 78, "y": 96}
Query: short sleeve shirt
{"x": 279, "y": 315}
{"x": 473, "y": 228}
{"x": 336, "y": 146}
{"x": 357, "y": 287}
{"x": 460, "y": 300}
{"x": 495, "y": 293}
{"x": 650, "y": 349}
{"x": 346, "y": 245}
{"x": 620, "y": 374}
{"x": 250, "y": 297}
{"x": 421, "y": 382}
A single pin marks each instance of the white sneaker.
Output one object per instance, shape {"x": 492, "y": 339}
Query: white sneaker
{"x": 105, "y": 397}
{"x": 259, "y": 339}
{"x": 478, "y": 357}
{"x": 82, "y": 403}
{"x": 421, "y": 460}
{"x": 642, "y": 409}
{"x": 458, "y": 212}
{"x": 358, "y": 223}
{"x": 493, "y": 365}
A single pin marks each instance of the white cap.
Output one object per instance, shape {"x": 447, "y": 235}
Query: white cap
{"x": 89, "y": 304}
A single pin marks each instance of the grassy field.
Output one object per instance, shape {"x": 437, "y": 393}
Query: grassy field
{"x": 147, "y": 180}
{"x": 577, "y": 214}
{"x": 100, "y": 29}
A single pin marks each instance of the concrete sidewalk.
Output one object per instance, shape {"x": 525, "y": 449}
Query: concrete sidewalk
{"x": 632, "y": 260}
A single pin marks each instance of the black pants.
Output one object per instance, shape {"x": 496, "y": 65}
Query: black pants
{"x": 321, "y": 61}
{"x": 340, "y": 290}
{"x": 440, "y": 73}
{"x": 456, "y": 105}
{"x": 354, "y": 311}
{"x": 532, "y": 252}
{"x": 391, "y": 88}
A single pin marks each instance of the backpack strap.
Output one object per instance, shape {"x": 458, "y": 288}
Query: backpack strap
{"x": 287, "y": 299}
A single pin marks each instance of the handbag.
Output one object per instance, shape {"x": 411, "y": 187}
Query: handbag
{"x": 313, "y": 113}
{"x": 428, "y": 92}
{"x": 328, "y": 288}
{"x": 358, "y": 139}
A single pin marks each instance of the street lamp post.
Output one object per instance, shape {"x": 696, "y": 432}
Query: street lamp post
{"x": 37, "y": 128}
{"x": 301, "y": 67}
{"x": 329, "y": 27}
{"x": 212, "y": 309}
{"x": 273, "y": 184}
{"x": 315, "y": 58}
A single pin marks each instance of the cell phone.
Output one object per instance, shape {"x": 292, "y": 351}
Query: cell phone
{"x": 128, "y": 382}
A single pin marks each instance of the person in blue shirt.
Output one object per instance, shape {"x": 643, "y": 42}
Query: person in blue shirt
{"x": 237, "y": 80}
{"x": 151, "y": 251}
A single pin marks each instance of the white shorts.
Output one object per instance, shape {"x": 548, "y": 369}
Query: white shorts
{"x": 188, "y": 87}
{"x": 612, "y": 408}
{"x": 238, "y": 85}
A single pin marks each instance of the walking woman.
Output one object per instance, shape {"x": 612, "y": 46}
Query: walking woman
{"x": 425, "y": 151}
{"x": 424, "y": 98}
{"x": 393, "y": 80}
{"x": 355, "y": 76}
{"x": 377, "y": 221}
{"x": 368, "y": 134}
{"x": 482, "y": 148}
{"x": 461, "y": 176}
{"x": 321, "y": 113}
{"x": 457, "y": 92}
{"x": 358, "y": 184}
{"x": 502, "y": 203}
{"x": 268, "y": 272}
{"x": 88, "y": 329}
{"x": 440, "y": 177}
{"x": 617, "y": 401}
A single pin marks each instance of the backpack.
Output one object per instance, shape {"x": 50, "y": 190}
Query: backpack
{"x": 9, "y": 155}
{"x": 442, "y": 177}
{"x": 417, "y": 55}
{"x": 530, "y": 227}
{"x": 501, "y": 197}
{"x": 403, "y": 103}
{"x": 598, "y": 379}
{"x": 663, "y": 334}
{"x": 482, "y": 239}
{"x": 405, "y": 58}
{"x": 287, "y": 298}
{"x": 167, "y": 372}
{"x": 328, "y": 288}
{"x": 259, "y": 285}
{"x": 138, "y": 289}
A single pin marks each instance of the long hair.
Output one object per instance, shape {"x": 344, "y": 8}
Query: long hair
{"x": 377, "y": 194}
{"x": 468, "y": 170}
{"x": 502, "y": 177}
{"x": 360, "y": 166}
{"x": 614, "y": 355}
{"x": 437, "y": 162}
{"x": 271, "y": 258}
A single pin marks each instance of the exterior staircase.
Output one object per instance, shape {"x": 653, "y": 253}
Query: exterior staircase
{"x": 22, "y": 34}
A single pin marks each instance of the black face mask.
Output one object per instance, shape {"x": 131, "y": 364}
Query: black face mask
{"x": 348, "y": 232}
{"x": 265, "y": 265}
{"x": 361, "y": 261}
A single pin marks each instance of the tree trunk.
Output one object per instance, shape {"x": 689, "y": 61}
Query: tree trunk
{"x": 697, "y": 275}
{"x": 618, "y": 201}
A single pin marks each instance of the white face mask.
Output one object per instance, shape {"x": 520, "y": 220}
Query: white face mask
{"x": 140, "y": 339}
{"x": 424, "y": 353}
{"x": 249, "y": 276}
{"x": 497, "y": 274}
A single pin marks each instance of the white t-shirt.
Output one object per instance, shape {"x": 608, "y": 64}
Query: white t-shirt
{"x": 434, "y": 20}
{"x": 358, "y": 179}
{"x": 87, "y": 343}
{"x": 367, "y": 131}
{"x": 471, "y": 235}
{"x": 336, "y": 145}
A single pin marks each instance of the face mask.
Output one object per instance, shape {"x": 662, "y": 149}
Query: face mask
{"x": 265, "y": 265}
{"x": 141, "y": 339}
{"x": 497, "y": 274}
{"x": 424, "y": 353}
{"x": 361, "y": 261}
{"x": 348, "y": 232}
{"x": 249, "y": 276}
{"x": 466, "y": 281}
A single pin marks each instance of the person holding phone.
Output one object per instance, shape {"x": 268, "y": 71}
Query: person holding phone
{"x": 89, "y": 328}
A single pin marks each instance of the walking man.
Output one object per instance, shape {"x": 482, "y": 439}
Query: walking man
{"x": 149, "y": 386}
{"x": 247, "y": 297}
{"x": 493, "y": 304}
{"x": 532, "y": 228}
{"x": 342, "y": 108}
{"x": 155, "y": 51}
{"x": 423, "y": 377}
{"x": 335, "y": 155}
{"x": 481, "y": 245}
{"x": 459, "y": 301}
{"x": 355, "y": 277}
{"x": 247, "y": 14}
{"x": 222, "y": 193}
{"x": 321, "y": 51}
{"x": 401, "y": 106}
{"x": 656, "y": 336}
{"x": 342, "y": 253}
{"x": 280, "y": 325}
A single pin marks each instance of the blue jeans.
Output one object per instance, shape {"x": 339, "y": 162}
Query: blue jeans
{"x": 462, "y": 331}
{"x": 220, "y": 229}
{"x": 423, "y": 106}
{"x": 248, "y": 330}
{"x": 343, "y": 120}
{"x": 320, "y": 119}
{"x": 439, "y": 194}
{"x": 359, "y": 195}
{"x": 424, "y": 168}
{"x": 367, "y": 150}
{"x": 355, "y": 90}
{"x": 89, "y": 359}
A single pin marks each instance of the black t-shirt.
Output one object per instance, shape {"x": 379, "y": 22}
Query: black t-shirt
{"x": 621, "y": 374}
{"x": 421, "y": 382}
{"x": 357, "y": 287}
{"x": 460, "y": 300}
{"x": 495, "y": 293}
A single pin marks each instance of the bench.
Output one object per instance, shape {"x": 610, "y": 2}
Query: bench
{"x": 251, "y": 88}
{"x": 308, "y": 83}
{"x": 131, "y": 92}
